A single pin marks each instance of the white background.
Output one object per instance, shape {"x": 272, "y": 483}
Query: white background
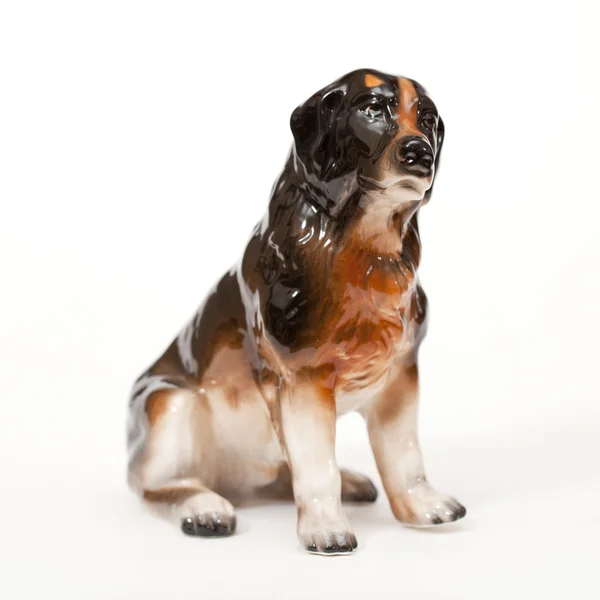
{"x": 138, "y": 145}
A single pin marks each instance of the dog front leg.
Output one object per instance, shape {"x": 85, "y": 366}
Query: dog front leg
{"x": 392, "y": 425}
{"x": 308, "y": 427}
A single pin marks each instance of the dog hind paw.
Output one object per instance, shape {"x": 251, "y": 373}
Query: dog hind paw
{"x": 207, "y": 515}
{"x": 357, "y": 488}
{"x": 209, "y": 525}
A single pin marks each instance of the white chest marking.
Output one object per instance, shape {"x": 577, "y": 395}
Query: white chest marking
{"x": 349, "y": 401}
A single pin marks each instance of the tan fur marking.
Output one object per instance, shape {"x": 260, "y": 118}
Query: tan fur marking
{"x": 399, "y": 392}
{"x": 171, "y": 495}
{"x": 408, "y": 103}
{"x": 157, "y": 404}
{"x": 232, "y": 395}
{"x": 372, "y": 81}
{"x": 402, "y": 509}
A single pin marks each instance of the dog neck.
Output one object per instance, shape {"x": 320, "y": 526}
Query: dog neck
{"x": 363, "y": 221}
{"x": 375, "y": 231}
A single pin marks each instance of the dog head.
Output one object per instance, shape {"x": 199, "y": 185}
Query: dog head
{"x": 370, "y": 131}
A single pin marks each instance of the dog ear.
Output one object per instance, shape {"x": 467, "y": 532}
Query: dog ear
{"x": 441, "y": 132}
{"x": 313, "y": 125}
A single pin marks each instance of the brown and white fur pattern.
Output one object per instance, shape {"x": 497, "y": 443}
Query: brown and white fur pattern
{"x": 323, "y": 315}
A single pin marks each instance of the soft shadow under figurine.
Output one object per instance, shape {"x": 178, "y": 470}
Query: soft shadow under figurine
{"x": 322, "y": 315}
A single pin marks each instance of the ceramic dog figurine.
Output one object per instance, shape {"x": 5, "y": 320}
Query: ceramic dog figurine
{"x": 323, "y": 315}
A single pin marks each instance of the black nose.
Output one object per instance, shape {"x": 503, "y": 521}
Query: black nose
{"x": 416, "y": 156}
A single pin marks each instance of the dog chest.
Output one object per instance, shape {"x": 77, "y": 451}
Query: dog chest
{"x": 375, "y": 326}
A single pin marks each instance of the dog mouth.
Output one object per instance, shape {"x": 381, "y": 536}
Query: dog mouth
{"x": 405, "y": 188}
{"x": 406, "y": 185}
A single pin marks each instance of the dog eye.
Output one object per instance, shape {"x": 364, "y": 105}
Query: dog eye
{"x": 373, "y": 111}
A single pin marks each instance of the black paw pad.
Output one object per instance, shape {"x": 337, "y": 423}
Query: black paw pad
{"x": 213, "y": 526}
{"x": 343, "y": 547}
{"x": 460, "y": 512}
{"x": 335, "y": 549}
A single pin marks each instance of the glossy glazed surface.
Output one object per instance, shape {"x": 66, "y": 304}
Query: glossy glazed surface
{"x": 323, "y": 314}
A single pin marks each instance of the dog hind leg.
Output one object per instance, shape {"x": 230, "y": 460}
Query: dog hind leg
{"x": 202, "y": 512}
{"x": 172, "y": 449}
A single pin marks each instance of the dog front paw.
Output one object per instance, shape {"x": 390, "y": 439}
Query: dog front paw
{"x": 326, "y": 535}
{"x": 422, "y": 506}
